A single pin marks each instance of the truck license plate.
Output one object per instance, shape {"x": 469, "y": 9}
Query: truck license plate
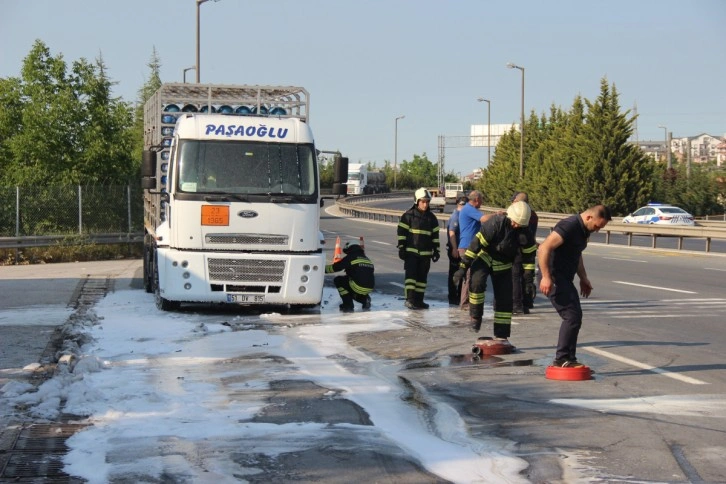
{"x": 246, "y": 298}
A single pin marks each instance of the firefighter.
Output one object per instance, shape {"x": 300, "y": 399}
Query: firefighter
{"x": 491, "y": 253}
{"x": 358, "y": 281}
{"x": 418, "y": 246}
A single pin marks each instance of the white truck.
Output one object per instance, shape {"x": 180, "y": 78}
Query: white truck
{"x": 452, "y": 191}
{"x": 364, "y": 182}
{"x": 438, "y": 202}
{"x": 231, "y": 197}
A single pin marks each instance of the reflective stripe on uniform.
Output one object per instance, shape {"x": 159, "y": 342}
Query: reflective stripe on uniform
{"x": 502, "y": 317}
{"x": 476, "y": 297}
{"x": 363, "y": 291}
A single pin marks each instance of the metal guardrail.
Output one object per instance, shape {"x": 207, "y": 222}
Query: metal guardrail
{"x": 51, "y": 240}
{"x": 707, "y": 230}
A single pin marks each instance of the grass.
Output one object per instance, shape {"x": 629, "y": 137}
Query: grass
{"x": 76, "y": 248}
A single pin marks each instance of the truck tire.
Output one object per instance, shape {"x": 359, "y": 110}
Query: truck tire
{"x": 162, "y": 304}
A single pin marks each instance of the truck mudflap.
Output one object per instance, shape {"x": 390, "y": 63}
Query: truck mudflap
{"x": 245, "y": 279}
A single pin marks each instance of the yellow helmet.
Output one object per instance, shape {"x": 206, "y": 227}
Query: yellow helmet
{"x": 422, "y": 193}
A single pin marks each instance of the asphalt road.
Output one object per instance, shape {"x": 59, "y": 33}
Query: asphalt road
{"x": 654, "y": 333}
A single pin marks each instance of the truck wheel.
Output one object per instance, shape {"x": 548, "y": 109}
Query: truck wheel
{"x": 162, "y": 304}
{"x": 304, "y": 308}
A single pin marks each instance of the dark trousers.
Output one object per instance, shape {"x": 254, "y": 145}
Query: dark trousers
{"x": 454, "y": 290}
{"x": 520, "y": 297}
{"x": 502, "y": 288}
{"x": 566, "y": 301}
{"x": 348, "y": 295}
{"x": 343, "y": 286}
{"x": 416, "y": 271}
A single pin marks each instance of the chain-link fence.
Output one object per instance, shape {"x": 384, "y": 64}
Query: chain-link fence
{"x": 70, "y": 210}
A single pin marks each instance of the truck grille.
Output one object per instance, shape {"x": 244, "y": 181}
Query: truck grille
{"x": 246, "y": 270}
{"x": 251, "y": 239}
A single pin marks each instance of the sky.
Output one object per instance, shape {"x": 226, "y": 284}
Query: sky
{"x": 366, "y": 63}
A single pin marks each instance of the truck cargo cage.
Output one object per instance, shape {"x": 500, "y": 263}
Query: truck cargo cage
{"x": 176, "y": 98}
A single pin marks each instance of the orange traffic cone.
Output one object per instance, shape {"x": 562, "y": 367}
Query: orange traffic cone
{"x": 362, "y": 245}
{"x": 338, "y": 254}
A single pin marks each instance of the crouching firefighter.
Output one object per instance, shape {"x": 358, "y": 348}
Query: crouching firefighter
{"x": 418, "y": 246}
{"x": 358, "y": 281}
{"x": 491, "y": 253}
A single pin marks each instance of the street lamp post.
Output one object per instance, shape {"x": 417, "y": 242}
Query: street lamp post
{"x": 667, "y": 147}
{"x": 185, "y": 73}
{"x": 395, "y": 150}
{"x": 199, "y": 3}
{"x": 489, "y": 128}
{"x": 521, "y": 139}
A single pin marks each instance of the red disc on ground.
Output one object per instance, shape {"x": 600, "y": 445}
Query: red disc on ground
{"x": 568, "y": 374}
{"x": 488, "y": 347}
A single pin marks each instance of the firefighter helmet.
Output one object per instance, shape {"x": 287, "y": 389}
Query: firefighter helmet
{"x": 352, "y": 247}
{"x": 422, "y": 193}
{"x": 519, "y": 213}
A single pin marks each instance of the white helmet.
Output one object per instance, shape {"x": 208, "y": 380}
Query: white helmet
{"x": 519, "y": 213}
{"x": 422, "y": 193}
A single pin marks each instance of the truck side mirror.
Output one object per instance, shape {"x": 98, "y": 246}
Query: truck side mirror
{"x": 340, "y": 169}
{"x": 148, "y": 164}
{"x": 148, "y": 183}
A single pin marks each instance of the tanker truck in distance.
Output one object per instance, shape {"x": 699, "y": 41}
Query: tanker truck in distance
{"x": 364, "y": 182}
{"x": 231, "y": 197}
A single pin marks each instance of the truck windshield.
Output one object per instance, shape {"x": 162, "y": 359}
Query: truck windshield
{"x": 245, "y": 167}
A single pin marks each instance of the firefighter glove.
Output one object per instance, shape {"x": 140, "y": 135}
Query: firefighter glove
{"x": 402, "y": 253}
{"x": 436, "y": 256}
{"x": 458, "y": 276}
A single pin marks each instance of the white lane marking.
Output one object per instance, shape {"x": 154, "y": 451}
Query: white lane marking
{"x": 656, "y": 315}
{"x": 397, "y": 284}
{"x": 637, "y": 364}
{"x": 626, "y": 260}
{"x": 379, "y": 242}
{"x": 654, "y": 287}
{"x": 713, "y": 269}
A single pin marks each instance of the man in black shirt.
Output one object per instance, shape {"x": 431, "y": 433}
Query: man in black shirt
{"x": 560, "y": 258}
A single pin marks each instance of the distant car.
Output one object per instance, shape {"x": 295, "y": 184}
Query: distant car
{"x": 658, "y": 213}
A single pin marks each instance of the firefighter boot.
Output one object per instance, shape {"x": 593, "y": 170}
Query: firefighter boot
{"x": 419, "y": 302}
{"x": 347, "y": 306}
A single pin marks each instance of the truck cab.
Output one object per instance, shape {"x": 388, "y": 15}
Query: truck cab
{"x": 233, "y": 213}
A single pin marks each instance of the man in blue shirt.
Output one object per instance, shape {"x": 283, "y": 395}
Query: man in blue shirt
{"x": 470, "y": 219}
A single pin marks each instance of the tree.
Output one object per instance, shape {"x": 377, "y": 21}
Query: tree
{"x": 614, "y": 172}
{"x": 698, "y": 193}
{"x": 573, "y": 160}
{"x": 61, "y": 127}
{"x": 419, "y": 172}
{"x": 501, "y": 177}
{"x": 151, "y": 85}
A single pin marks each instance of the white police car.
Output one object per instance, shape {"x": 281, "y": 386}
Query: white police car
{"x": 659, "y": 213}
